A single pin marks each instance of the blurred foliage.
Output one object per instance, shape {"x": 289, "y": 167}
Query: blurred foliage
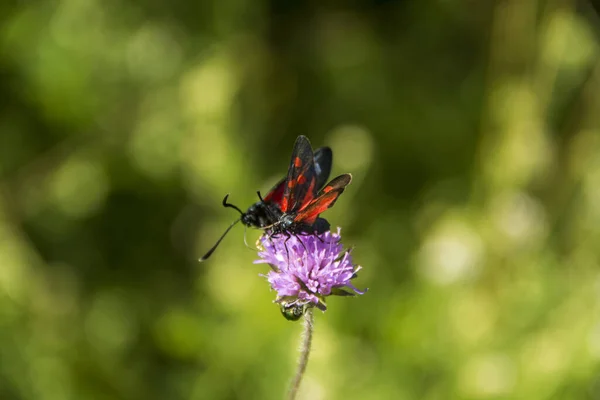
{"x": 471, "y": 128}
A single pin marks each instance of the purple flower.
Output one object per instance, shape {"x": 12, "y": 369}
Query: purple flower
{"x": 306, "y": 269}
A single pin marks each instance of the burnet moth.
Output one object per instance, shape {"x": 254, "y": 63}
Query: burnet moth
{"x": 301, "y": 204}
{"x": 267, "y": 213}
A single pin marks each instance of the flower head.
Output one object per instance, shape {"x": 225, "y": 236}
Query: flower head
{"x": 306, "y": 269}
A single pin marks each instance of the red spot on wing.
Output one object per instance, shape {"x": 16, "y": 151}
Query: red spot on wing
{"x": 297, "y": 162}
{"x": 327, "y": 189}
{"x": 309, "y": 195}
{"x": 301, "y": 180}
{"x": 339, "y": 182}
{"x": 284, "y": 204}
{"x": 310, "y": 214}
{"x": 276, "y": 193}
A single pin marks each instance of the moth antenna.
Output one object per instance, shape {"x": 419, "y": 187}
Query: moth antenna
{"x": 226, "y": 204}
{"x": 259, "y": 196}
{"x": 209, "y": 253}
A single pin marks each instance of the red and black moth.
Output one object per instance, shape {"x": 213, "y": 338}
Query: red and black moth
{"x": 301, "y": 204}
{"x": 293, "y": 205}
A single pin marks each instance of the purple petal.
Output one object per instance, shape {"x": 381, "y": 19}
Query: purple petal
{"x": 308, "y": 267}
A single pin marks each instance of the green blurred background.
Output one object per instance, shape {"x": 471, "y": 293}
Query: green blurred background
{"x": 472, "y": 129}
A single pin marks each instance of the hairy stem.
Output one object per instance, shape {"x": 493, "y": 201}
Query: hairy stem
{"x": 304, "y": 353}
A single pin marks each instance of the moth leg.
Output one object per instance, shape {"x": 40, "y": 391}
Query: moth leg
{"x": 285, "y": 245}
{"x": 301, "y": 233}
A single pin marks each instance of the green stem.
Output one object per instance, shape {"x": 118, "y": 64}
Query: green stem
{"x": 304, "y": 353}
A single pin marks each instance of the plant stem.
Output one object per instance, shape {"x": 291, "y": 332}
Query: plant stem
{"x": 304, "y": 353}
